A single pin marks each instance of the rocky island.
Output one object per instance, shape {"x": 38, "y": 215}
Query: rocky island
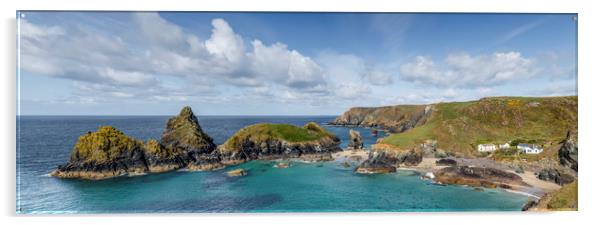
{"x": 275, "y": 141}
{"x": 109, "y": 153}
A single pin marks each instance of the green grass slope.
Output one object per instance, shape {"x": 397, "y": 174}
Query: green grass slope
{"x": 460, "y": 126}
{"x": 266, "y": 131}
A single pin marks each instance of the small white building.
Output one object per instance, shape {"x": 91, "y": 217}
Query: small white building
{"x": 486, "y": 147}
{"x": 530, "y": 148}
{"x": 505, "y": 146}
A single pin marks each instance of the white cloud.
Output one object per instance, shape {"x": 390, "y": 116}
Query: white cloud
{"x": 464, "y": 70}
{"x": 224, "y": 43}
{"x": 158, "y": 48}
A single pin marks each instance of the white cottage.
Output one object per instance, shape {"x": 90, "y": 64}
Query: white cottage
{"x": 530, "y": 148}
{"x": 505, "y": 146}
{"x": 486, "y": 147}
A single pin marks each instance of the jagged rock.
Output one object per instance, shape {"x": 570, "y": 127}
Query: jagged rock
{"x": 184, "y": 135}
{"x": 109, "y": 153}
{"x": 355, "y": 140}
{"x": 556, "y": 176}
{"x": 446, "y": 162}
{"x": 477, "y": 177}
{"x": 277, "y": 141}
{"x": 377, "y": 162}
{"x": 568, "y": 152}
{"x": 160, "y": 159}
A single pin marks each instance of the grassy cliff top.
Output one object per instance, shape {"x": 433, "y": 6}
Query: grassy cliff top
{"x": 460, "y": 126}
{"x": 565, "y": 198}
{"x": 105, "y": 144}
{"x": 266, "y": 131}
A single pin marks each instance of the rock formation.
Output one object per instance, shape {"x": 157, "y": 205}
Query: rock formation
{"x": 377, "y": 162}
{"x": 446, "y": 162}
{"x": 355, "y": 140}
{"x": 237, "y": 173}
{"x": 555, "y": 176}
{"x": 384, "y": 157}
{"x": 278, "y": 141}
{"x": 103, "y": 154}
{"x": 568, "y": 152}
{"x": 392, "y": 118}
{"x": 477, "y": 177}
{"x": 109, "y": 153}
{"x": 184, "y": 135}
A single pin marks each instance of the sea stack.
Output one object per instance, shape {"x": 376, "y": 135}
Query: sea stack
{"x": 109, "y": 153}
{"x": 355, "y": 140}
{"x": 184, "y": 135}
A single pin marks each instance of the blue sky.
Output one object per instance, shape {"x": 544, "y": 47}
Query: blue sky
{"x": 146, "y": 63}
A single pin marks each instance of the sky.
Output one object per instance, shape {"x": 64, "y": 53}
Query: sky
{"x": 149, "y": 63}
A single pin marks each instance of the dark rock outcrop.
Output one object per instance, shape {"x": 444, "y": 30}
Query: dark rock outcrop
{"x": 446, "y": 162}
{"x": 555, "y": 176}
{"x": 377, "y": 162}
{"x": 355, "y": 140}
{"x": 568, "y": 152}
{"x": 477, "y": 177}
{"x": 184, "y": 135}
{"x": 392, "y": 118}
{"x": 279, "y": 141}
{"x": 109, "y": 153}
{"x": 381, "y": 160}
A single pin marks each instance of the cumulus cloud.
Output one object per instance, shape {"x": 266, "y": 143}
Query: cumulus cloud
{"x": 464, "y": 70}
{"x": 160, "y": 48}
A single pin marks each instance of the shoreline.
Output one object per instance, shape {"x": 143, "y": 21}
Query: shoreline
{"x": 536, "y": 188}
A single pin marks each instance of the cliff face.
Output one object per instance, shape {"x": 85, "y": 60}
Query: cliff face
{"x": 458, "y": 127}
{"x": 184, "y": 136}
{"x": 268, "y": 141}
{"x": 392, "y": 118}
{"x": 568, "y": 153}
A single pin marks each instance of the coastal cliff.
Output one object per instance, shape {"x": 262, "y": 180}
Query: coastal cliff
{"x": 458, "y": 127}
{"x": 392, "y": 118}
{"x": 270, "y": 141}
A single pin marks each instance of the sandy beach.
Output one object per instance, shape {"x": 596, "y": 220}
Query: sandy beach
{"x": 537, "y": 188}
{"x": 352, "y": 155}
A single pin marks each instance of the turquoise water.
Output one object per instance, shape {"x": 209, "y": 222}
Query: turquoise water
{"x": 45, "y": 142}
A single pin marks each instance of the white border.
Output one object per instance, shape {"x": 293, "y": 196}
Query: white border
{"x": 589, "y": 99}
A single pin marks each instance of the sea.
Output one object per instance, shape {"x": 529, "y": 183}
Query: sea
{"x": 43, "y": 142}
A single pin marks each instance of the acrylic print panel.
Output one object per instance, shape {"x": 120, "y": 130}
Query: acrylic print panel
{"x": 155, "y": 112}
